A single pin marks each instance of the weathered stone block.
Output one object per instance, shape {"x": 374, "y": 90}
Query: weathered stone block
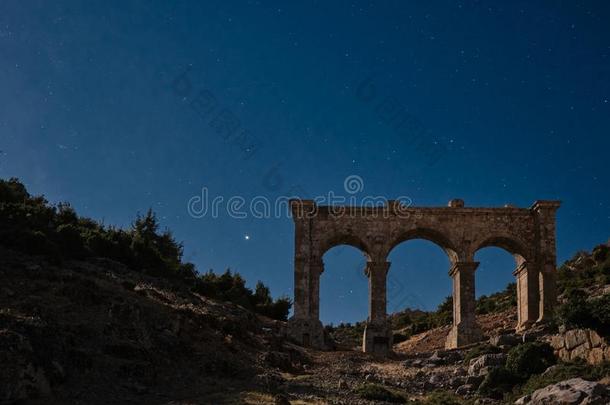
{"x": 607, "y": 353}
{"x": 579, "y": 352}
{"x": 557, "y": 342}
{"x": 563, "y": 354}
{"x": 595, "y": 339}
{"x": 576, "y": 337}
{"x": 483, "y": 364}
{"x": 595, "y": 356}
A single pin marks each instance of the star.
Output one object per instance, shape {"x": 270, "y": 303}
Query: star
{"x": 247, "y": 237}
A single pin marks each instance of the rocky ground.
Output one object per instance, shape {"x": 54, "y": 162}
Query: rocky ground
{"x": 95, "y": 332}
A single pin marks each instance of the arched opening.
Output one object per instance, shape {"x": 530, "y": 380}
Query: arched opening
{"x": 344, "y": 295}
{"x": 496, "y": 287}
{"x": 419, "y": 291}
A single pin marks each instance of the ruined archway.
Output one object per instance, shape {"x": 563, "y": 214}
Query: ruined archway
{"x": 528, "y": 233}
{"x": 343, "y": 285}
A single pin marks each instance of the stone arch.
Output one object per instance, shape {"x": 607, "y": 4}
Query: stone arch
{"x": 528, "y": 233}
{"x": 511, "y": 244}
{"x": 526, "y": 276}
{"x": 431, "y": 235}
{"x": 349, "y": 239}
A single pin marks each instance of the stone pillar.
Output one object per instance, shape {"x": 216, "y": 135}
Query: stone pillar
{"x": 305, "y": 327}
{"x": 544, "y": 216}
{"x": 465, "y": 329}
{"x": 377, "y": 333}
{"x": 301, "y": 288}
{"x": 527, "y": 295}
{"x": 316, "y": 268}
{"x": 548, "y": 292}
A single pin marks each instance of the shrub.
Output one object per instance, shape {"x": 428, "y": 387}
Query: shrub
{"x": 70, "y": 241}
{"x": 578, "y": 312}
{"x": 498, "y": 302}
{"x": 498, "y": 382}
{"x": 231, "y": 287}
{"x": 31, "y": 225}
{"x": 530, "y": 358}
{"x": 376, "y": 392}
{"x": 442, "y": 398}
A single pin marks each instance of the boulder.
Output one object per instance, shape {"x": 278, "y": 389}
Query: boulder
{"x": 575, "y": 391}
{"x": 483, "y": 364}
{"x": 595, "y": 356}
{"x": 281, "y": 399}
{"x": 579, "y": 352}
{"x": 595, "y": 339}
{"x": 557, "y": 342}
{"x": 435, "y": 359}
{"x": 460, "y": 371}
{"x": 507, "y": 339}
{"x": 457, "y": 381}
{"x": 436, "y": 380}
{"x": 576, "y": 337}
{"x": 475, "y": 381}
{"x": 465, "y": 389}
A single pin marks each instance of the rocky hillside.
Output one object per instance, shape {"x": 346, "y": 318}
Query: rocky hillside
{"x": 91, "y": 314}
{"x": 94, "y": 331}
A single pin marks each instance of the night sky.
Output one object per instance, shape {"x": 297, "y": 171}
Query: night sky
{"x": 507, "y": 103}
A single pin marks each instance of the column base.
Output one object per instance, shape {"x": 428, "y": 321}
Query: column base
{"x": 306, "y": 332}
{"x": 377, "y": 339}
{"x": 525, "y": 326}
{"x": 462, "y": 335}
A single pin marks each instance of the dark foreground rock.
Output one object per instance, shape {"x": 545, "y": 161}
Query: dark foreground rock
{"x": 575, "y": 391}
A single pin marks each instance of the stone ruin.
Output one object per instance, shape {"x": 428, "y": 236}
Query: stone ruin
{"x": 527, "y": 233}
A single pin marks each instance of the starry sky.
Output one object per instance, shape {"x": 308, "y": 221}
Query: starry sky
{"x": 110, "y": 105}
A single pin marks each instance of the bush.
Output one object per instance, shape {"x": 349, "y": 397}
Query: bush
{"x": 376, "y": 392}
{"x": 442, "y": 398}
{"x": 231, "y": 287}
{"x": 530, "y": 358}
{"x": 498, "y": 302}
{"x": 70, "y": 241}
{"x": 578, "y": 312}
{"x": 31, "y": 225}
{"x": 498, "y": 382}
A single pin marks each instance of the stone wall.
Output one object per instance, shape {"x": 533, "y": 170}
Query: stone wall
{"x": 583, "y": 344}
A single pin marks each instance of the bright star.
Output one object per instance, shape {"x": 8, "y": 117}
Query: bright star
{"x": 247, "y": 237}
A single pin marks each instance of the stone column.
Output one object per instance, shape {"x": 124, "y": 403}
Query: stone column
{"x": 527, "y": 295}
{"x": 465, "y": 329}
{"x": 544, "y": 216}
{"x": 316, "y": 268}
{"x": 548, "y": 291}
{"x": 301, "y": 288}
{"x": 304, "y": 327}
{"x": 377, "y": 333}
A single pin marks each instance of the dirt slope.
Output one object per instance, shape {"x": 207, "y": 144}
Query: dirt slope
{"x": 96, "y": 332}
